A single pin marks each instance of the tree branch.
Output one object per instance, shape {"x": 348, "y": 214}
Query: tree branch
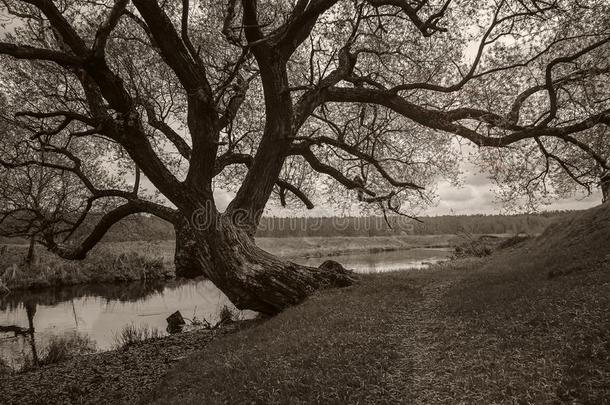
{"x": 33, "y": 53}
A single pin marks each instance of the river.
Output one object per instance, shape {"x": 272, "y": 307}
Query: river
{"x": 99, "y": 312}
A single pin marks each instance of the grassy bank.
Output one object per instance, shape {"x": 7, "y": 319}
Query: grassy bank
{"x": 130, "y": 261}
{"x": 342, "y": 245}
{"x": 103, "y": 265}
{"x": 113, "y": 377}
{"x": 528, "y": 325}
{"x": 309, "y": 246}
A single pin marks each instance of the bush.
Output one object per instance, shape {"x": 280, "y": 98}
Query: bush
{"x": 65, "y": 347}
{"x": 473, "y": 248}
{"x": 3, "y": 288}
{"x": 132, "y": 334}
{"x": 60, "y": 348}
{"x": 225, "y": 314}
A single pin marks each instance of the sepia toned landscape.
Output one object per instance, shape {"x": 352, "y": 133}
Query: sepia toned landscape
{"x": 305, "y": 202}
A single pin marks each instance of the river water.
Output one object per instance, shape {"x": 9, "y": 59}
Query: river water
{"x": 99, "y": 312}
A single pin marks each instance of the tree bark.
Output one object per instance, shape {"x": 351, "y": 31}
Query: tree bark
{"x": 185, "y": 257}
{"x": 254, "y": 279}
{"x": 605, "y": 186}
{"x": 29, "y": 259}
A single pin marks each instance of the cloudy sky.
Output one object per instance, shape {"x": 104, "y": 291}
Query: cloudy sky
{"x": 474, "y": 196}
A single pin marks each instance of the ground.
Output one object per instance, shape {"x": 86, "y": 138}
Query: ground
{"x": 115, "y": 377}
{"x": 427, "y": 338}
{"x": 528, "y": 325}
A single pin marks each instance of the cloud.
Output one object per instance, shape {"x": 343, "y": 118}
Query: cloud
{"x": 448, "y": 193}
{"x": 477, "y": 197}
{"x": 469, "y": 198}
{"x": 222, "y": 198}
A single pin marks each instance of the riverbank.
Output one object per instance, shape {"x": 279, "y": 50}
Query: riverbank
{"x": 470, "y": 331}
{"x": 101, "y": 267}
{"x": 114, "y": 377}
{"x": 143, "y": 260}
{"x": 528, "y": 324}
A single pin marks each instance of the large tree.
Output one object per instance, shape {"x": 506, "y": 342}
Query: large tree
{"x": 260, "y": 96}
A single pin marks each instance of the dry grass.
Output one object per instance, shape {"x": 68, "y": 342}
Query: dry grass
{"x": 65, "y": 347}
{"x": 323, "y": 351}
{"x": 305, "y": 246}
{"x": 134, "y": 334}
{"x": 58, "y": 349}
{"x": 102, "y": 266}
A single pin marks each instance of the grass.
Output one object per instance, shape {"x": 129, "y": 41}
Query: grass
{"x": 65, "y": 347}
{"x": 102, "y": 266}
{"x": 322, "y": 351}
{"x": 340, "y": 245}
{"x": 527, "y": 325}
{"x": 134, "y": 334}
{"x": 58, "y": 349}
{"x": 306, "y": 246}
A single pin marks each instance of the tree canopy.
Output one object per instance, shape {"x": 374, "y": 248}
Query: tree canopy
{"x": 354, "y": 99}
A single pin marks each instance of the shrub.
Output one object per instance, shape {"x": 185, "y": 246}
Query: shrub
{"x": 513, "y": 241}
{"x": 64, "y": 347}
{"x": 60, "y": 348}
{"x": 3, "y": 288}
{"x": 225, "y": 314}
{"x": 132, "y": 334}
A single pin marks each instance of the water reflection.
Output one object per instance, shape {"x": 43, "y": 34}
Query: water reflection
{"x": 419, "y": 258}
{"x": 99, "y": 312}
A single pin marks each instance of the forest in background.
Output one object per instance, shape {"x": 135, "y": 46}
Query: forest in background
{"x": 150, "y": 228}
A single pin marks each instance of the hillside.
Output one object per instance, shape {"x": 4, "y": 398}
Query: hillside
{"x": 528, "y": 325}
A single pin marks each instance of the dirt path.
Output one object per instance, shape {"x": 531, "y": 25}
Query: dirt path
{"x": 415, "y": 332}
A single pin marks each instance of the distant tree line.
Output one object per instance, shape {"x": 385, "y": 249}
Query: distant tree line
{"x": 145, "y": 227}
{"x": 397, "y": 225}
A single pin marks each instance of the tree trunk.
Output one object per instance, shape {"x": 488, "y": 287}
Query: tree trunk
{"x": 254, "y": 279}
{"x": 605, "y": 186}
{"x": 29, "y": 259}
{"x": 185, "y": 258}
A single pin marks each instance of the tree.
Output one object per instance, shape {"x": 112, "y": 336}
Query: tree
{"x": 263, "y": 97}
{"x": 605, "y": 186}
